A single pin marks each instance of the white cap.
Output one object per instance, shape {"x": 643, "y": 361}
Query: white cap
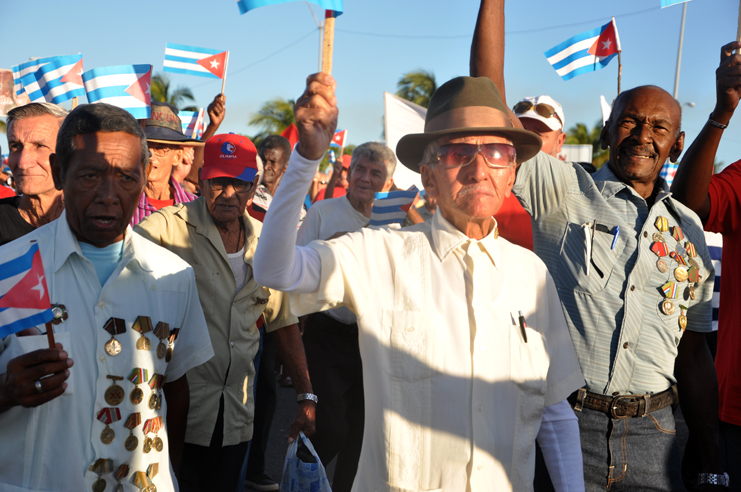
{"x": 553, "y": 123}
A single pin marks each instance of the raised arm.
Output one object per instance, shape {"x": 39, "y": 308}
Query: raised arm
{"x": 693, "y": 176}
{"x": 487, "y": 48}
{"x": 278, "y": 262}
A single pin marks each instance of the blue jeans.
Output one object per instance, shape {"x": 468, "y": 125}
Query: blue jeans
{"x": 633, "y": 454}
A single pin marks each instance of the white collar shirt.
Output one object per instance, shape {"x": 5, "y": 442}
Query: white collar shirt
{"x": 453, "y": 395}
{"x": 50, "y": 447}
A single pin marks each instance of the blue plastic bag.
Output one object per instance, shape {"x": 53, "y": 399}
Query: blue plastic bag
{"x": 303, "y": 470}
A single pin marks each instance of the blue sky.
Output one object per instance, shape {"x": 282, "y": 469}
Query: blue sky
{"x": 274, "y": 48}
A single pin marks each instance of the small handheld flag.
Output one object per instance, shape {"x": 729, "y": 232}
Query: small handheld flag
{"x": 191, "y": 60}
{"x": 247, "y": 5}
{"x": 291, "y": 133}
{"x": 55, "y": 82}
{"x": 392, "y": 207}
{"x": 339, "y": 138}
{"x": 26, "y": 68}
{"x": 585, "y": 52}
{"x": 193, "y": 123}
{"x": 125, "y": 86}
{"x": 24, "y": 298}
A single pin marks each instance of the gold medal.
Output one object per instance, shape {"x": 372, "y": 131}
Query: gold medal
{"x": 107, "y": 436}
{"x": 113, "y": 347}
{"x": 114, "y": 394}
{"x": 692, "y": 291}
{"x": 152, "y": 401}
{"x": 131, "y": 442}
{"x": 680, "y": 273}
{"x": 658, "y": 237}
{"x": 158, "y": 444}
{"x": 693, "y": 264}
{"x": 667, "y": 307}
{"x": 682, "y": 321}
{"x": 136, "y": 396}
{"x": 143, "y": 343}
{"x": 662, "y": 266}
{"x": 99, "y": 485}
{"x": 147, "y": 445}
{"x": 161, "y": 350}
{"x": 143, "y": 324}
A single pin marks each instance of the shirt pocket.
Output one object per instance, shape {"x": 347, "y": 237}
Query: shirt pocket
{"x": 409, "y": 336}
{"x": 574, "y": 259}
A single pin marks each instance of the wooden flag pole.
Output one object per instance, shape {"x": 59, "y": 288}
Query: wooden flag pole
{"x": 74, "y": 102}
{"x": 620, "y": 71}
{"x": 328, "y": 43}
{"x": 50, "y": 334}
{"x": 226, "y": 67}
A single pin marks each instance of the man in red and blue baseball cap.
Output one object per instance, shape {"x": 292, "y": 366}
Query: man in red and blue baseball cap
{"x": 237, "y": 308}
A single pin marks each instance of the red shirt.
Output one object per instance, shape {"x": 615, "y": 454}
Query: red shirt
{"x": 514, "y": 223}
{"x": 725, "y": 218}
{"x": 160, "y": 204}
{"x": 6, "y": 192}
{"x": 338, "y": 192}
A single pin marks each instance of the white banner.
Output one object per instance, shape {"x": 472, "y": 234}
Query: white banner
{"x": 401, "y": 117}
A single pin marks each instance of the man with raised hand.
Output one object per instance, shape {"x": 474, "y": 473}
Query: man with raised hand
{"x": 464, "y": 347}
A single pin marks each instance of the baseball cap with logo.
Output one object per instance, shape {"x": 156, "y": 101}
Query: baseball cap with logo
{"x": 542, "y": 108}
{"x": 229, "y": 156}
{"x": 164, "y": 126}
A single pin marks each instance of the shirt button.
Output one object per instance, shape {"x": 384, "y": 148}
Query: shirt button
{"x": 410, "y": 328}
{"x": 626, "y": 345}
{"x": 231, "y": 344}
{"x": 615, "y": 393}
{"x": 101, "y": 304}
{"x": 632, "y": 288}
{"x": 482, "y": 348}
{"x": 102, "y": 358}
{"x": 479, "y": 468}
{"x": 154, "y": 287}
{"x": 480, "y": 408}
{"x": 645, "y": 234}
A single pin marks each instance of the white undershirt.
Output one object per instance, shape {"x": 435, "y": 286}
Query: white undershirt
{"x": 239, "y": 267}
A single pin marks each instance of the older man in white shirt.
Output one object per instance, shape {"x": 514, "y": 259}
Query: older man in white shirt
{"x": 464, "y": 345}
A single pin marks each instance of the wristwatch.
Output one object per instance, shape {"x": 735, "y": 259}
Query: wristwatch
{"x": 713, "y": 479}
{"x": 307, "y": 396}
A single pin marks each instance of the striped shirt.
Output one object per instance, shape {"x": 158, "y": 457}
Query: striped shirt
{"x": 625, "y": 343}
{"x": 145, "y": 209}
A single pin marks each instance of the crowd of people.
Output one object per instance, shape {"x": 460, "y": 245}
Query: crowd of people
{"x": 532, "y": 325}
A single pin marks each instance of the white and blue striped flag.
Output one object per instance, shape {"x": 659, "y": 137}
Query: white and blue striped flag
{"x": 392, "y": 207}
{"x": 125, "y": 86}
{"x": 25, "y": 68}
{"x": 585, "y": 52}
{"x": 669, "y": 3}
{"x": 57, "y": 81}
{"x": 193, "y": 123}
{"x": 191, "y": 60}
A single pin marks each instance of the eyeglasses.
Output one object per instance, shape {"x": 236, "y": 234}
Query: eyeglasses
{"x": 218, "y": 184}
{"x": 159, "y": 151}
{"x": 496, "y": 155}
{"x": 544, "y": 110}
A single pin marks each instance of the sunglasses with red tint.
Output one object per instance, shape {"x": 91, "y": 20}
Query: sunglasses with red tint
{"x": 496, "y": 155}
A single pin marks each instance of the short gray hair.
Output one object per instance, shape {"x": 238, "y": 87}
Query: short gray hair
{"x": 94, "y": 118}
{"x": 375, "y": 152}
{"x": 430, "y": 154}
{"x": 36, "y": 109}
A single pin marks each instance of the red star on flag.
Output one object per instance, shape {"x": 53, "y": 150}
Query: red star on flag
{"x": 339, "y": 138}
{"x": 31, "y": 291}
{"x": 74, "y": 76}
{"x": 141, "y": 89}
{"x": 607, "y": 44}
{"x": 214, "y": 64}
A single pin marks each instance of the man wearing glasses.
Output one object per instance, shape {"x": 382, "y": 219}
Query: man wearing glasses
{"x": 464, "y": 346}
{"x": 217, "y": 237}
{"x": 167, "y": 145}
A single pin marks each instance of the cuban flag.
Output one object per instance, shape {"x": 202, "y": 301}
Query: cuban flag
{"x": 55, "y": 82}
{"x": 669, "y": 3}
{"x": 669, "y": 171}
{"x": 247, "y": 5}
{"x": 125, "y": 86}
{"x": 193, "y": 123}
{"x": 192, "y": 60}
{"x": 26, "y": 68}
{"x": 24, "y": 298}
{"x": 339, "y": 138}
{"x": 585, "y": 52}
{"x": 392, "y": 207}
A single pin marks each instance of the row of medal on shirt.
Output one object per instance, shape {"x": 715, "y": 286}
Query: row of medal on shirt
{"x": 143, "y": 480}
{"x": 143, "y": 324}
{"x": 110, "y": 415}
{"x": 687, "y": 269}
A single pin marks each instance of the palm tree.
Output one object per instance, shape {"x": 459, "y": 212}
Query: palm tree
{"x": 273, "y": 117}
{"x": 163, "y": 92}
{"x": 580, "y": 134}
{"x": 417, "y": 86}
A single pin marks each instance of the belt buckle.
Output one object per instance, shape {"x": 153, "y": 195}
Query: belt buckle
{"x": 630, "y": 399}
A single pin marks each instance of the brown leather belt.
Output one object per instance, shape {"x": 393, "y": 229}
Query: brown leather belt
{"x": 621, "y": 406}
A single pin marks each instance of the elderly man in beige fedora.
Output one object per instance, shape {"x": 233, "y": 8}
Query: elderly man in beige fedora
{"x": 465, "y": 351}
{"x": 167, "y": 144}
